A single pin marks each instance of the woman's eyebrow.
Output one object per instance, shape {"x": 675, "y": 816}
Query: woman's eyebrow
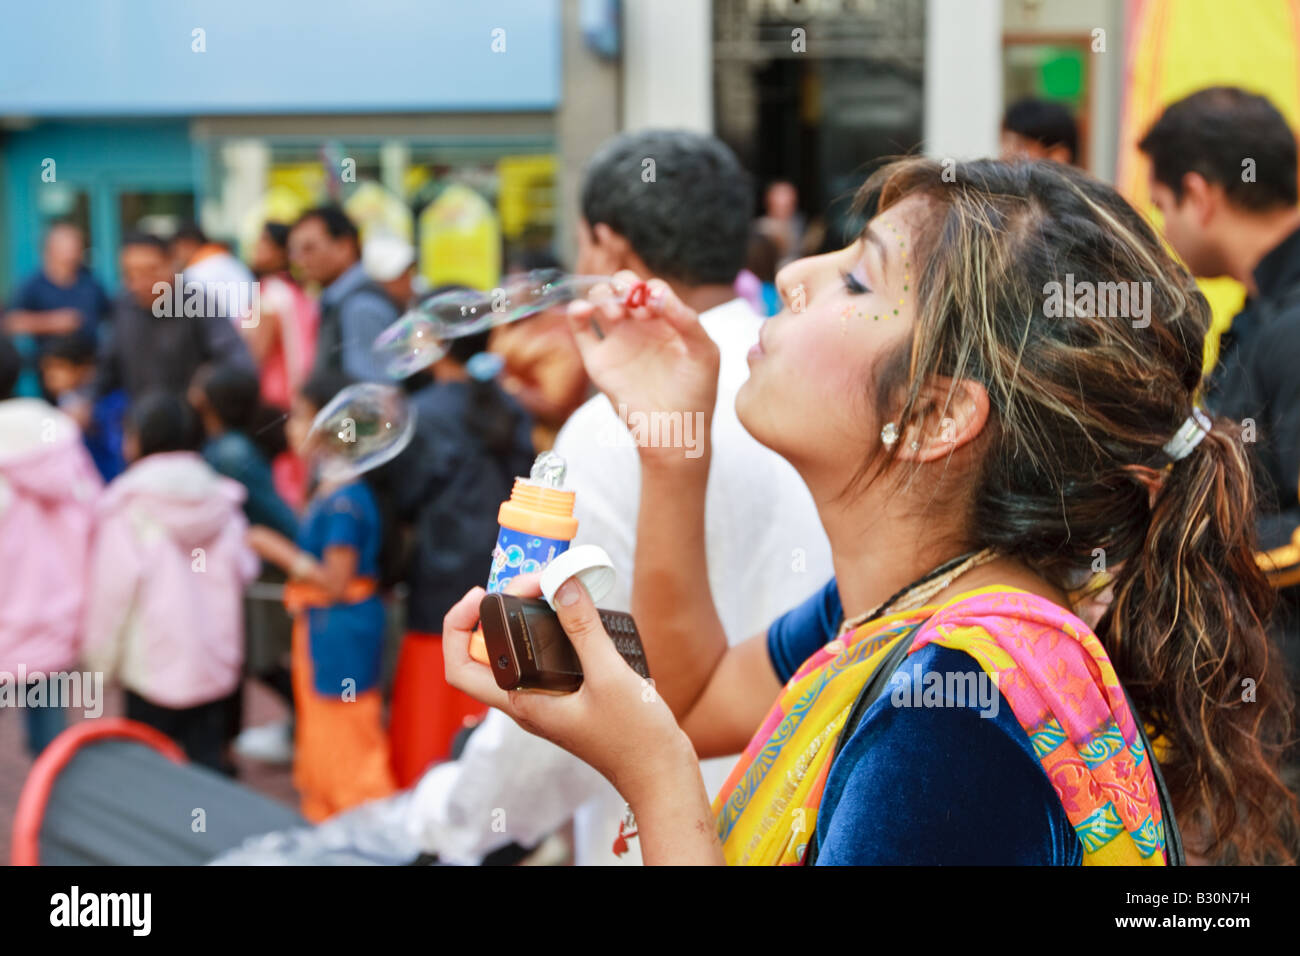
{"x": 874, "y": 237}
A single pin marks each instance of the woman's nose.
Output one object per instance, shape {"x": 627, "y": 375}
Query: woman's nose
{"x": 790, "y": 286}
{"x": 794, "y": 282}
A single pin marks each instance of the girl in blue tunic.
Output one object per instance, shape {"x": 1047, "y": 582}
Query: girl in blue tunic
{"x": 341, "y": 754}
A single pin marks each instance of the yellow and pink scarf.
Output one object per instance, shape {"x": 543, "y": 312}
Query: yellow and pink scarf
{"x": 1049, "y": 666}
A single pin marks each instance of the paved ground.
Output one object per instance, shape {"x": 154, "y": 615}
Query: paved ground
{"x": 260, "y": 706}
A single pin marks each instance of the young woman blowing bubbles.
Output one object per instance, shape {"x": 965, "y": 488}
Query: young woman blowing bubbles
{"x": 969, "y": 453}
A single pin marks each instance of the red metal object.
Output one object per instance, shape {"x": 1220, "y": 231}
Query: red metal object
{"x": 40, "y": 781}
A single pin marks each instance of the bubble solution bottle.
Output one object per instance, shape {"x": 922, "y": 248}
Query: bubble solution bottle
{"x": 537, "y": 523}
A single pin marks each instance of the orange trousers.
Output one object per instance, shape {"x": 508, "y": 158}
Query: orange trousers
{"x": 340, "y": 749}
{"x": 427, "y": 712}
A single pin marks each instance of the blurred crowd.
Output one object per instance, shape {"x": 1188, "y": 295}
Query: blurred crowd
{"x": 153, "y": 454}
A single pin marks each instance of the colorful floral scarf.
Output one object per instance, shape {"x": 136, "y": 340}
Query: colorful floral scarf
{"x": 1048, "y": 665}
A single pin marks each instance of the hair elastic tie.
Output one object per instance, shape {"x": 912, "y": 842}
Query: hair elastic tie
{"x": 1195, "y": 428}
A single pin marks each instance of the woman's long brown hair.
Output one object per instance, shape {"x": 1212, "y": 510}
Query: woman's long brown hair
{"x": 1083, "y": 403}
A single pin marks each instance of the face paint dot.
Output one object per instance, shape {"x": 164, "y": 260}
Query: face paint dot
{"x": 895, "y": 312}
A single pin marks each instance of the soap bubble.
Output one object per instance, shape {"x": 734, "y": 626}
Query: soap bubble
{"x": 418, "y": 338}
{"x": 362, "y": 427}
{"x": 409, "y": 345}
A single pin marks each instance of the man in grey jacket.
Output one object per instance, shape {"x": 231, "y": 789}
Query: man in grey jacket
{"x": 149, "y": 346}
{"x": 326, "y": 246}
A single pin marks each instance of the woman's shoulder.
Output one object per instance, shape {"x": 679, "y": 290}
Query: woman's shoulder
{"x": 1003, "y": 626}
{"x": 943, "y": 736}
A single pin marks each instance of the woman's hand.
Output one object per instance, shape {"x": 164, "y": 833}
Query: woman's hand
{"x": 615, "y": 721}
{"x": 648, "y": 358}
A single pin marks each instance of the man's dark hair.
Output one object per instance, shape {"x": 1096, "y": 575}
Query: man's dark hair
{"x": 233, "y": 392}
{"x": 76, "y": 348}
{"x": 11, "y": 366}
{"x": 689, "y": 221}
{"x": 1046, "y": 123}
{"x": 144, "y": 239}
{"x": 1213, "y": 132}
{"x": 191, "y": 231}
{"x": 336, "y": 222}
{"x": 163, "y": 421}
{"x": 278, "y": 233}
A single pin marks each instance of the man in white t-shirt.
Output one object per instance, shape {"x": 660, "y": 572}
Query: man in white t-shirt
{"x": 687, "y": 223}
{"x": 227, "y": 284}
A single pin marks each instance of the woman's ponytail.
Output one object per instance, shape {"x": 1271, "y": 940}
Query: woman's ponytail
{"x": 1188, "y": 630}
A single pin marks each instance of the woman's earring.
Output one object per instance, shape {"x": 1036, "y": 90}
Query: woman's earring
{"x": 915, "y": 445}
{"x": 889, "y": 435}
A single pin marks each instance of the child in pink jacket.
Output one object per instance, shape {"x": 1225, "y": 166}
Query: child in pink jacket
{"x": 48, "y": 486}
{"x": 169, "y": 567}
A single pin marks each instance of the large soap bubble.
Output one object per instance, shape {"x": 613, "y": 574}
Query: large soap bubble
{"x": 418, "y": 338}
{"x": 362, "y": 427}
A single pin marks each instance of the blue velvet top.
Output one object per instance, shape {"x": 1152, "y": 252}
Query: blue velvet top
{"x": 928, "y": 785}
{"x": 346, "y": 640}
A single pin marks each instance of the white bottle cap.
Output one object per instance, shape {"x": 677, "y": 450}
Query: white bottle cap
{"x": 588, "y": 563}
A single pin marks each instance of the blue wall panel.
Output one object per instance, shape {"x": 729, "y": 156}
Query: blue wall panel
{"x": 135, "y": 57}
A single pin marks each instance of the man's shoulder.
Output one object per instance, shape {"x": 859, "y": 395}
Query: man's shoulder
{"x": 368, "y": 298}
{"x": 1275, "y": 334}
{"x": 595, "y": 409}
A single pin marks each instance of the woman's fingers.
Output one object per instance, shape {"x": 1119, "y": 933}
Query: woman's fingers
{"x": 462, "y": 671}
{"x": 592, "y": 320}
{"x": 463, "y": 615}
{"x": 525, "y": 585}
{"x": 662, "y": 302}
{"x": 581, "y": 315}
{"x": 580, "y": 620}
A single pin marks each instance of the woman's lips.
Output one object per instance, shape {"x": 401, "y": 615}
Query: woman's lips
{"x": 756, "y": 349}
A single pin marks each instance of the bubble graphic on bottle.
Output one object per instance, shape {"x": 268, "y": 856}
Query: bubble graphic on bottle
{"x": 418, "y": 338}
{"x": 514, "y": 556}
{"x": 529, "y": 566}
{"x": 362, "y": 427}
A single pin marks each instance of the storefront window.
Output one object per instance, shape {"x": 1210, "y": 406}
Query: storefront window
{"x": 391, "y": 186}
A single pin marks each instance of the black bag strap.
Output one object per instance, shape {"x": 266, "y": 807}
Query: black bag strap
{"x": 882, "y": 676}
{"x": 871, "y": 691}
